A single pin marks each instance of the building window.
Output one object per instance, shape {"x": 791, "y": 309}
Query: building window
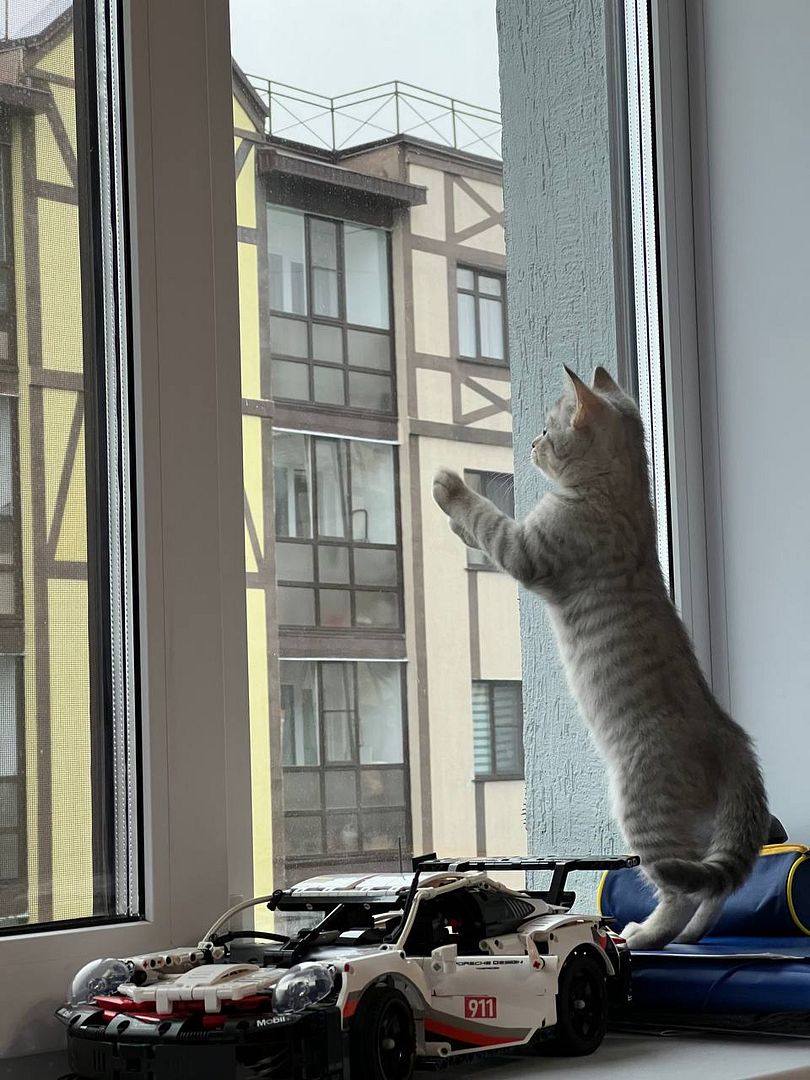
{"x": 330, "y": 315}
{"x": 497, "y": 713}
{"x": 481, "y": 315}
{"x": 343, "y": 758}
{"x": 499, "y": 488}
{"x": 337, "y": 562}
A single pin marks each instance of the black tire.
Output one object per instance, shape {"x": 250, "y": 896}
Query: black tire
{"x": 582, "y": 1007}
{"x": 382, "y": 1037}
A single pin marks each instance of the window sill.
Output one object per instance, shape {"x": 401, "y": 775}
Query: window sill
{"x": 499, "y": 779}
{"x": 496, "y": 367}
{"x": 483, "y": 568}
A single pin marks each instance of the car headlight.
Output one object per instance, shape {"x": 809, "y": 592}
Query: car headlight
{"x": 303, "y": 985}
{"x": 97, "y": 978}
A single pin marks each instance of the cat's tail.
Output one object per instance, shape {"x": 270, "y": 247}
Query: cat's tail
{"x": 741, "y": 827}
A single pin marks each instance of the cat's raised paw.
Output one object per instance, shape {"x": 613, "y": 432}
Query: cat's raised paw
{"x": 447, "y": 488}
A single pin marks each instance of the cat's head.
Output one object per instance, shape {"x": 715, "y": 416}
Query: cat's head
{"x": 592, "y": 431}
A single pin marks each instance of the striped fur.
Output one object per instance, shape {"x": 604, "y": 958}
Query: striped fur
{"x": 686, "y": 786}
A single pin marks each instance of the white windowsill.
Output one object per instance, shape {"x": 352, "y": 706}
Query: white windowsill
{"x": 622, "y": 1057}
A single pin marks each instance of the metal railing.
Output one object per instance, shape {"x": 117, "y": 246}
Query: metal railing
{"x": 378, "y": 112}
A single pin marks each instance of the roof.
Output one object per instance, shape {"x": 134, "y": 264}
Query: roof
{"x": 281, "y": 162}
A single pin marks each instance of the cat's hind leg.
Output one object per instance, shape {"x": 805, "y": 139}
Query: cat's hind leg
{"x": 702, "y": 921}
{"x": 674, "y": 911}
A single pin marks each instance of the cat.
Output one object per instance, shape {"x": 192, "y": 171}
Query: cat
{"x": 685, "y": 783}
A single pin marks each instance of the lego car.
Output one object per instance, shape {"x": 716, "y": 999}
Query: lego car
{"x": 438, "y": 964}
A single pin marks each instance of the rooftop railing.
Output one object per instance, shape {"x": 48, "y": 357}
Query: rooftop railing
{"x": 378, "y": 112}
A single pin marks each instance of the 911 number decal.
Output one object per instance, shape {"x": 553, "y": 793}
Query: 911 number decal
{"x": 480, "y": 1008}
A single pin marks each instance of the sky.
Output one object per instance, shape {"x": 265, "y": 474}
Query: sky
{"x": 334, "y": 46}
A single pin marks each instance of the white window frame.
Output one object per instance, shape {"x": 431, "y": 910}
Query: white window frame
{"x": 194, "y": 707}
{"x": 671, "y": 101}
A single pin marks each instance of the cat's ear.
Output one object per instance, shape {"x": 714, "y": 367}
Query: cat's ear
{"x": 604, "y": 382}
{"x": 589, "y": 404}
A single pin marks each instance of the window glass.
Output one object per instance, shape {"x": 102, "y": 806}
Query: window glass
{"x": 287, "y": 269}
{"x": 327, "y": 343}
{"x": 338, "y": 711}
{"x": 294, "y": 562}
{"x": 323, "y": 248}
{"x": 380, "y": 708}
{"x": 288, "y": 337}
{"x": 368, "y": 350}
{"x": 366, "y": 252}
{"x": 299, "y": 717}
{"x": 370, "y": 392}
{"x": 373, "y": 499}
{"x": 296, "y": 606}
{"x": 499, "y": 488}
{"x": 329, "y": 387}
{"x": 333, "y": 487}
{"x": 491, "y": 317}
{"x": 290, "y": 380}
{"x": 497, "y": 718}
{"x": 292, "y": 485}
{"x": 466, "y": 325}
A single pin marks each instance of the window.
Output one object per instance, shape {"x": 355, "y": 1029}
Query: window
{"x": 337, "y": 561}
{"x": 330, "y": 321}
{"x": 497, "y": 713}
{"x": 499, "y": 488}
{"x": 481, "y": 315}
{"x": 343, "y": 758}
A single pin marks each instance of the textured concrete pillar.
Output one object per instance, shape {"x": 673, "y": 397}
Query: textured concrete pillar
{"x": 562, "y": 309}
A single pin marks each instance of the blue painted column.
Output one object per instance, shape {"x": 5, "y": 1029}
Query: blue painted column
{"x": 562, "y": 309}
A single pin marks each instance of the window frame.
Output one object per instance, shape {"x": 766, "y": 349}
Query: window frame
{"x": 340, "y": 321}
{"x": 316, "y": 541}
{"x": 493, "y": 774}
{"x": 197, "y": 845}
{"x": 477, "y": 295}
{"x": 356, "y": 767}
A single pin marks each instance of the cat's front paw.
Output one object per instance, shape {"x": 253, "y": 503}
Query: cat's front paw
{"x": 448, "y": 488}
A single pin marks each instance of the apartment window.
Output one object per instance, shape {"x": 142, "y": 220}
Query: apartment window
{"x": 497, "y": 714}
{"x": 481, "y": 315}
{"x": 343, "y": 758}
{"x": 337, "y": 562}
{"x": 499, "y": 488}
{"x": 329, "y": 325}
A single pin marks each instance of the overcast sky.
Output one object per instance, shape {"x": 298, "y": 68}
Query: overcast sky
{"x": 334, "y": 46}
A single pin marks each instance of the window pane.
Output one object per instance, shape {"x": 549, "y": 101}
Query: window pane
{"x": 491, "y": 286}
{"x": 294, "y": 562}
{"x": 336, "y": 607}
{"x": 8, "y": 804}
{"x": 302, "y": 790}
{"x": 342, "y": 833}
{"x": 373, "y": 392}
{"x": 323, "y": 243}
{"x": 482, "y": 735}
{"x": 288, "y": 337}
{"x": 327, "y": 343}
{"x": 465, "y": 279}
{"x": 341, "y": 789}
{"x": 296, "y": 606}
{"x": 299, "y": 723}
{"x": 491, "y": 315}
{"x": 382, "y": 787}
{"x": 466, "y": 325}
{"x": 290, "y": 380}
{"x": 508, "y": 729}
{"x": 379, "y": 689}
{"x": 329, "y": 387}
{"x": 304, "y": 835}
{"x": 373, "y": 493}
{"x": 331, "y": 460}
{"x": 499, "y": 488}
{"x": 324, "y": 292}
{"x": 285, "y": 237}
{"x": 382, "y": 830}
{"x": 377, "y": 609}
{"x": 292, "y": 484}
{"x": 369, "y": 350}
{"x": 366, "y": 255}
{"x": 338, "y": 711}
{"x": 8, "y": 716}
{"x": 333, "y": 564}
{"x": 375, "y": 567}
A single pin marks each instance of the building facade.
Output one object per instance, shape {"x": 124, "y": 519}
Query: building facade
{"x": 385, "y": 662}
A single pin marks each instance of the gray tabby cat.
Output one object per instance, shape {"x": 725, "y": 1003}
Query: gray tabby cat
{"x": 686, "y": 786}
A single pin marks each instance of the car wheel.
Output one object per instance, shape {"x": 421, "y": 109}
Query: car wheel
{"x": 383, "y": 1038}
{"x": 581, "y": 1007}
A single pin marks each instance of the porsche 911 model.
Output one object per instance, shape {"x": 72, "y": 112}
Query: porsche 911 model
{"x": 437, "y": 964}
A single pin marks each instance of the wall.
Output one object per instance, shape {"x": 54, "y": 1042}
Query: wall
{"x": 560, "y": 266}
{"x": 757, "y": 88}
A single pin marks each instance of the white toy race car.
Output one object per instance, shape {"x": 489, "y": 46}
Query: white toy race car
{"x": 438, "y": 964}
